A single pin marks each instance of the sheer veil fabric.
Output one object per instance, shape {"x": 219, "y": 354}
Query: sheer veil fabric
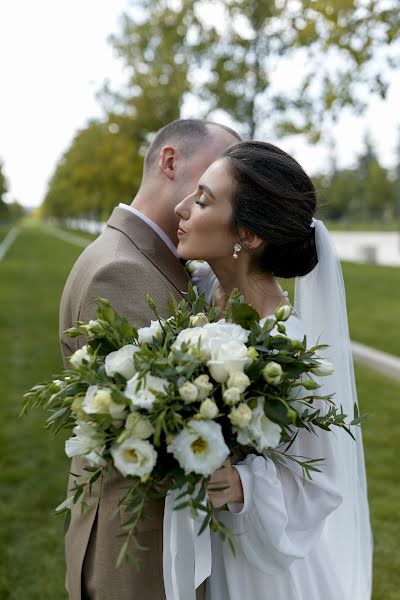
{"x": 320, "y": 301}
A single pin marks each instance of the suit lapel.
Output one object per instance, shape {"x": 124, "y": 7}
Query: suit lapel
{"x": 150, "y": 245}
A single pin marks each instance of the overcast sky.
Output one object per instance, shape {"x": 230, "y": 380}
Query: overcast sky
{"x": 54, "y": 56}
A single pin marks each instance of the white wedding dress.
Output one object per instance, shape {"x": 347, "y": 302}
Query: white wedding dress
{"x": 277, "y": 527}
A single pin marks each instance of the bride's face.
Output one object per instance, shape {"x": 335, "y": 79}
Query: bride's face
{"x": 205, "y": 216}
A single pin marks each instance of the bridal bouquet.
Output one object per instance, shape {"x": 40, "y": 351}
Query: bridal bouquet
{"x": 166, "y": 404}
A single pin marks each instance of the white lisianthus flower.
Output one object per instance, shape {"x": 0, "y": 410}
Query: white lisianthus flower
{"x": 283, "y": 312}
{"x": 227, "y": 358}
{"x": 147, "y": 334}
{"x": 77, "y": 410}
{"x": 203, "y": 384}
{"x": 252, "y": 353}
{"x": 142, "y": 392}
{"x": 272, "y": 373}
{"x": 208, "y": 409}
{"x": 78, "y": 357}
{"x": 99, "y": 401}
{"x": 134, "y": 457}
{"x": 226, "y": 332}
{"x": 200, "y": 447}
{"x": 240, "y": 415}
{"x": 89, "y": 442}
{"x": 239, "y": 380}
{"x": 217, "y": 370}
{"x": 198, "y": 320}
{"x": 325, "y": 367}
{"x": 139, "y": 426}
{"x": 231, "y": 395}
{"x": 188, "y": 392}
{"x": 121, "y": 361}
{"x": 191, "y": 337}
{"x": 261, "y": 432}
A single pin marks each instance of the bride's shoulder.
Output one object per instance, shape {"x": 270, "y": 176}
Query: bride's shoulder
{"x": 295, "y": 327}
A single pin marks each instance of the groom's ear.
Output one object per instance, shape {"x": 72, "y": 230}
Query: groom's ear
{"x": 167, "y": 161}
{"x": 250, "y": 240}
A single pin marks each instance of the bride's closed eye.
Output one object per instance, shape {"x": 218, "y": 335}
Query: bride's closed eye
{"x": 200, "y": 202}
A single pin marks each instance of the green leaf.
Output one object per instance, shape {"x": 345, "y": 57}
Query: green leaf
{"x": 244, "y": 315}
{"x": 122, "y": 554}
{"x": 67, "y": 520}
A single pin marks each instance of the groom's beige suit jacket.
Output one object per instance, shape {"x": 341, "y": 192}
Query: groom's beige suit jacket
{"x": 126, "y": 262}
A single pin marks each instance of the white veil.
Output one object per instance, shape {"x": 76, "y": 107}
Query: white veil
{"x": 320, "y": 301}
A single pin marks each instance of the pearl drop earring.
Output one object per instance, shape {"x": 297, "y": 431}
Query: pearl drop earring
{"x": 237, "y": 248}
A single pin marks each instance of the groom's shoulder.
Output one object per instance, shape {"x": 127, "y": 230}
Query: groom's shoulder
{"x": 112, "y": 246}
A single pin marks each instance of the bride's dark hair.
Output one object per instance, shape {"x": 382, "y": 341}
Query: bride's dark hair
{"x": 274, "y": 198}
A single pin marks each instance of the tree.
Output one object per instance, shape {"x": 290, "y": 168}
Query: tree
{"x": 232, "y": 62}
{"x": 4, "y": 213}
{"x": 101, "y": 168}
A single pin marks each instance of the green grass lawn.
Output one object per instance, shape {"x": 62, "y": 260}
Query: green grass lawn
{"x": 34, "y": 469}
{"x": 343, "y": 225}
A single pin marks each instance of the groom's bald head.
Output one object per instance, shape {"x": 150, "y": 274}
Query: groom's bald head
{"x": 188, "y": 137}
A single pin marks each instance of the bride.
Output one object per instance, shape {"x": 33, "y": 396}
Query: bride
{"x": 252, "y": 219}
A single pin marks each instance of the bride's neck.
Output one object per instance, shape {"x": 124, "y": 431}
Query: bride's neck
{"x": 260, "y": 290}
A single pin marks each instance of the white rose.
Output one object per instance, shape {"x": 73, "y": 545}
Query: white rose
{"x": 142, "y": 392}
{"x": 208, "y": 409}
{"x": 139, "y": 426}
{"x": 240, "y": 415}
{"x": 147, "y": 334}
{"x": 272, "y": 373}
{"x": 200, "y": 447}
{"x": 203, "y": 384}
{"x": 99, "y": 401}
{"x": 231, "y": 395}
{"x": 324, "y": 368}
{"x": 261, "y": 432}
{"x": 283, "y": 312}
{"x": 89, "y": 442}
{"x": 121, "y": 361}
{"x": 198, "y": 320}
{"x": 134, "y": 457}
{"x": 239, "y": 380}
{"x": 188, "y": 392}
{"x": 78, "y": 357}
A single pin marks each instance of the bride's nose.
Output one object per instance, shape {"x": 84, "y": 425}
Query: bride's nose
{"x": 182, "y": 209}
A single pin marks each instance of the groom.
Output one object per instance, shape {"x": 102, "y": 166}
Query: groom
{"x": 134, "y": 256}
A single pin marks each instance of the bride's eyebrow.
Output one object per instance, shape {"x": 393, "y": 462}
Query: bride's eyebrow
{"x": 206, "y": 189}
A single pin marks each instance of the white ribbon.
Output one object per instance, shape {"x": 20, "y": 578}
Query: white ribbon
{"x": 186, "y": 555}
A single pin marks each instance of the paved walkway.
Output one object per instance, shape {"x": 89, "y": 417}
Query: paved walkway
{"x": 8, "y": 241}
{"x": 385, "y": 363}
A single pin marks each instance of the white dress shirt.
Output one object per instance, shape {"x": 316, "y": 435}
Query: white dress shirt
{"x": 167, "y": 241}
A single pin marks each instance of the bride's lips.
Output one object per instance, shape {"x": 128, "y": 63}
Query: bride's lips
{"x": 180, "y": 231}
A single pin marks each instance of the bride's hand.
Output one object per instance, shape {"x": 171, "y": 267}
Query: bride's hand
{"x": 228, "y": 478}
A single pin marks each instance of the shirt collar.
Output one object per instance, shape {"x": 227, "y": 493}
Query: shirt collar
{"x": 167, "y": 241}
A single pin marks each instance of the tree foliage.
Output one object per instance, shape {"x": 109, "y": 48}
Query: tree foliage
{"x": 101, "y": 168}
{"x": 229, "y": 54}
{"x": 366, "y": 191}
{"x": 3, "y": 191}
